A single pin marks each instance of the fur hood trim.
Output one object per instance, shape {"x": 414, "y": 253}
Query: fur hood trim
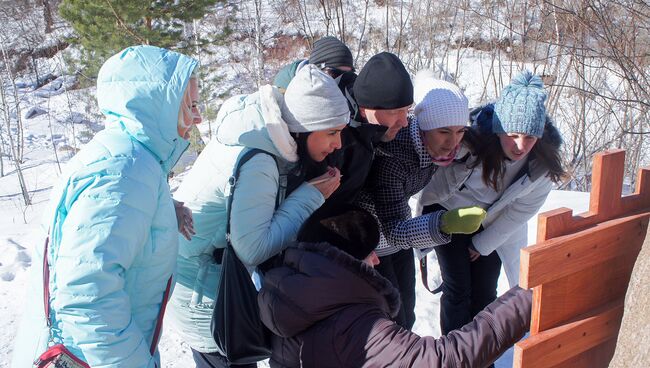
{"x": 361, "y": 269}
{"x": 270, "y": 101}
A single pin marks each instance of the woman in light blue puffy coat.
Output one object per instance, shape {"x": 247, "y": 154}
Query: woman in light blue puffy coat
{"x": 298, "y": 131}
{"x": 112, "y": 226}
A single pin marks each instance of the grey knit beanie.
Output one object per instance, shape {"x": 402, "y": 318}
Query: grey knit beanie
{"x": 313, "y": 101}
{"x": 520, "y": 109}
{"x": 439, "y": 103}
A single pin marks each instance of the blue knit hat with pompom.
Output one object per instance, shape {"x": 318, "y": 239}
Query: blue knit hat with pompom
{"x": 520, "y": 109}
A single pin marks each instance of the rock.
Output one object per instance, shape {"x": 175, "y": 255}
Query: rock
{"x": 33, "y": 112}
{"x": 57, "y": 86}
{"x": 634, "y": 337}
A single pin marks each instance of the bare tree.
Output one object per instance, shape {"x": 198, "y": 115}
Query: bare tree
{"x": 258, "y": 43}
{"x": 15, "y": 157}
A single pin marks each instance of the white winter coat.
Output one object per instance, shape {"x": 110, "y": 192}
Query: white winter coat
{"x": 505, "y": 226}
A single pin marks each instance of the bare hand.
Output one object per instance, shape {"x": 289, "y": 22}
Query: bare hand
{"x": 473, "y": 255}
{"x": 328, "y": 182}
{"x": 184, "y": 220}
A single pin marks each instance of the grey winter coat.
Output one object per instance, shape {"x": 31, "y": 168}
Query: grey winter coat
{"x": 331, "y": 310}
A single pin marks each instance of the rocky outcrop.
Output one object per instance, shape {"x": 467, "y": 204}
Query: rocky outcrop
{"x": 632, "y": 347}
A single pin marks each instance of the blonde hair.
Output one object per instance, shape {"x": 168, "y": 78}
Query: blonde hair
{"x": 186, "y": 104}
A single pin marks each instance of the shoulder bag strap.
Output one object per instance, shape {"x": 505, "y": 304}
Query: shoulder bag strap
{"x": 233, "y": 180}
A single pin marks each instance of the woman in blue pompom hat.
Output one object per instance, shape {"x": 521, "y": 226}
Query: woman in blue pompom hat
{"x": 512, "y": 160}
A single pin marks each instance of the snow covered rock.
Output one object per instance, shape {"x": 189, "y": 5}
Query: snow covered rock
{"x": 33, "y": 111}
{"x": 57, "y": 86}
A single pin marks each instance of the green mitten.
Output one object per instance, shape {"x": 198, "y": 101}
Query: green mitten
{"x": 464, "y": 220}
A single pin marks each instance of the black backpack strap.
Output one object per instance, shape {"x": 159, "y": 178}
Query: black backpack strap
{"x": 218, "y": 253}
{"x": 233, "y": 180}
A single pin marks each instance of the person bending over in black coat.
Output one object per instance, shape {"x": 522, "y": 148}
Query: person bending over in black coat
{"x": 328, "y": 307}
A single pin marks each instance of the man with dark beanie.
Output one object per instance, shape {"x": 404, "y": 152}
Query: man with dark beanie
{"x": 379, "y": 102}
{"x": 328, "y": 307}
{"x": 383, "y": 92}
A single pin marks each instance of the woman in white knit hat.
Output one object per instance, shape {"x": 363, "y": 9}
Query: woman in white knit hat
{"x": 401, "y": 168}
{"x": 296, "y": 130}
{"x": 513, "y": 159}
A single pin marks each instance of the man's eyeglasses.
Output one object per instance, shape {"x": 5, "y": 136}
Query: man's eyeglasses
{"x": 335, "y": 72}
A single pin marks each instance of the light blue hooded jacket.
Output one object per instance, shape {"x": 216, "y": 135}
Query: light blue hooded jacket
{"x": 258, "y": 230}
{"x": 113, "y": 231}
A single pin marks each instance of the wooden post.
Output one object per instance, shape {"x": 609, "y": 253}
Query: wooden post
{"x": 579, "y": 271}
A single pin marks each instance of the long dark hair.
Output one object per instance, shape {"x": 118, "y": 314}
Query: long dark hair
{"x": 487, "y": 147}
{"x": 308, "y": 168}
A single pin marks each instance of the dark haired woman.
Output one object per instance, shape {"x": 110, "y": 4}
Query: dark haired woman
{"x": 512, "y": 161}
{"x": 296, "y": 131}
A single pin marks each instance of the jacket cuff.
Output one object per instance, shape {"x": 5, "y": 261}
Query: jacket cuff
{"x": 437, "y": 236}
{"x": 312, "y": 192}
{"x": 472, "y": 247}
{"x": 481, "y": 248}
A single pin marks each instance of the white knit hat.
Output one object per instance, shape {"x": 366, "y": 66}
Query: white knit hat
{"x": 313, "y": 101}
{"x": 438, "y": 103}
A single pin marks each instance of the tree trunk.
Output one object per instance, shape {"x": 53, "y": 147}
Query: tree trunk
{"x": 47, "y": 15}
{"x": 12, "y": 145}
{"x": 259, "y": 46}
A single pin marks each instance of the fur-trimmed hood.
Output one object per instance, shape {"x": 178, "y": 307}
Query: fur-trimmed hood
{"x": 255, "y": 121}
{"x": 315, "y": 282}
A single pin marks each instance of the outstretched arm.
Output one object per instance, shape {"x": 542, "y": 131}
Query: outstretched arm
{"x": 477, "y": 344}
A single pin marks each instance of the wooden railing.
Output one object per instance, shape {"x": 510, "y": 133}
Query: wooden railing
{"x": 579, "y": 271}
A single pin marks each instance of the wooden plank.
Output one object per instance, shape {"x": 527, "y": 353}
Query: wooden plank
{"x": 561, "y": 221}
{"x": 559, "y": 257}
{"x": 607, "y": 183}
{"x": 554, "y": 223}
{"x": 643, "y": 185}
{"x": 559, "y": 301}
{"x": 641, "y": 197}
{"x": 596, "y": 357}
{"x": 553, "y": 347}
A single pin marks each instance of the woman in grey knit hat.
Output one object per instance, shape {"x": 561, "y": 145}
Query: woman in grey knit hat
{"x": 302, "y": 127}
{"x": 512, "y": 162}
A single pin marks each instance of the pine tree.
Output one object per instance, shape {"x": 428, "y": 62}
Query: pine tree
{"x": 103, "y": 27}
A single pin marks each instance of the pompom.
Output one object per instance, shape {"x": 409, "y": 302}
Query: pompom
{"x": 527, "y": 79}
{"x": 422, "y": 83}
{"x": 423, "y": 76}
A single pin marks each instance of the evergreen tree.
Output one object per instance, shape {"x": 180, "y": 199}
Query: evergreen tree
{"x": 104, "y": 27}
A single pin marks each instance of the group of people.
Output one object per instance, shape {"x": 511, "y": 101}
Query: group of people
{"x": 324, "y": 206}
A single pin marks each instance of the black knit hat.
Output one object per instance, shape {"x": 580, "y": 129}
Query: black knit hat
{"x": 330, "y": 52}
{"x": 347, "y": 227}
{"x": 383, "y": 84}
